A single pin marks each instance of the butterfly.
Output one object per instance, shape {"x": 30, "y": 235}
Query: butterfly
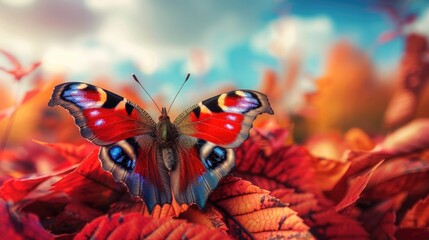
{"x": 184, "y": 159}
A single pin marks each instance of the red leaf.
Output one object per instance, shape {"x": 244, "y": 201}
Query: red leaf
{"x": 413, "y": 76}
{"x": 17, "y": 71}
{"x": 71, "y": 219}
{"x": 16, "y": 190}
{"x": 137, "y": 226}
{"x": 29, "y": 95}
{"x": 412, "y": 233}
{"x": 20, "y": 226}
{"x": 303, "y": 203}
{"x": 90, "y": 184}
{"x": 418, "y": 216}
{"x": 331, "y": 225}
{"x": 388, "y": 36}
{"x": 396, "y": 176}
{"x": 408, "y": 139}
{"x": 292, "y": 167}
{"x": 355, "y": 190}
{"x": 250, "y": 212}
{"x": 380, "y": 219}
{"x": 386, "y": 228}
{"x": 324, "y": 222}
{"x": 289, "y": 166}
{"x": 72, "y": 152}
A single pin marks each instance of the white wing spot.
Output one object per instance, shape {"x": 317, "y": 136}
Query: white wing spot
{"x": 94, "y": 113}
{"x": 99, "y": 122}
{"x": 231, "y": 117}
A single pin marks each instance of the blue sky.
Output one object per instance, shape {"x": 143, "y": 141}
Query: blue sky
{"x": 219, "y": 42}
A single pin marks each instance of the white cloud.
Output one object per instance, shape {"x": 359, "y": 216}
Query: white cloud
{"x": 420, "y": 25}
{"x": 152, "y": 34}
{"x": 290, "y": 35}
{"x": 107, "y": 5}
{"x": 76, "y": 58}
{"x": 18, "y": 3}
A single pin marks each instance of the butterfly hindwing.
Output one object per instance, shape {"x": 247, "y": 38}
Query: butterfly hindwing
{"x": 224, "y": 120}
{"x": 102, "y": 116}
{"x": 136, "y": 162}
{"x": 201, "y": 166}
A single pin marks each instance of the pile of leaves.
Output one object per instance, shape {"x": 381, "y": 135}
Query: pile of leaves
{"x": 277, "y": 190}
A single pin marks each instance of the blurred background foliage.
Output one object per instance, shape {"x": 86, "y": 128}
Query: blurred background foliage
{"x": 327, "y": 66}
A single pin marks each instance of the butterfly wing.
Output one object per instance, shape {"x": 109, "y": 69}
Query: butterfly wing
{"x": 126, "y": 134}
{"x": 102, "y": 116}
{"x": 224, "y": 120}
{"x": 208, "y": 131}
{"x": 136, "y": 162}
{"x": 200, "y": 167}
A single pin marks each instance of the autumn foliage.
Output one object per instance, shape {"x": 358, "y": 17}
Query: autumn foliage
{"x": 326, "y": 171}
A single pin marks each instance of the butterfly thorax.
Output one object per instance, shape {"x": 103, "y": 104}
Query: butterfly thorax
{"x": 166, "y": 137}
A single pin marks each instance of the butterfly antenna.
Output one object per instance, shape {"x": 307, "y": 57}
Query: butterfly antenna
{"x": 186, "y": 79}
{"x": 135, "y": 79}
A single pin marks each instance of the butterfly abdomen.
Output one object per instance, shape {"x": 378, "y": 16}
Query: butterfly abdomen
{"x": 166, "y": 137}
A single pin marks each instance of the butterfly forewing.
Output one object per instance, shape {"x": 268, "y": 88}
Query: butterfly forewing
{"x": 224, "y": 120}
{"x": 102, "y": 116}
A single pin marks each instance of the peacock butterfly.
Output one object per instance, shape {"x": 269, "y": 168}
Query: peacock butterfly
{"x": 185, "y": 158}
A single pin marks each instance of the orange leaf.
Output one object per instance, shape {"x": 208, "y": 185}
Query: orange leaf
{"x": 209, "y": 217}
{"x": 130, "y": 204}
{"x": 137, "y": 226}
{"x": 358, "y": 140}
{"x": 250, "y": 212}
{"x": 410, "y": 138}
{"x": 329, "y": 172}
{"x": 7, "y": 112}
{"x": 29, "y": 95}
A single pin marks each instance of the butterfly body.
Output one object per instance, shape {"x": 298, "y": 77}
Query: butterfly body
{"x": 184, "y": 159}
{"x": 166, "y": 138}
